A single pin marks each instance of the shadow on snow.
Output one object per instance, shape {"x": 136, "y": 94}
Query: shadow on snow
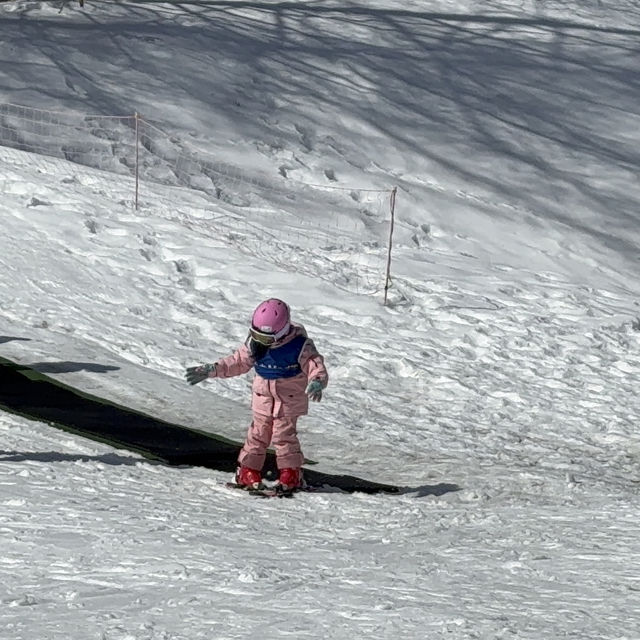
{"x": 463, "y": 87}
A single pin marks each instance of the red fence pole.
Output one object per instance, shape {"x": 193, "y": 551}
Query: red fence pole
{"x": 392, "y": 207}
{"x": 137, "y": 116}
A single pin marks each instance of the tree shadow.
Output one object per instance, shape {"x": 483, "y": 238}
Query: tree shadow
{"x": 436, "y": 490}
{"x": 71, "y": 367}
{"x": 506, "y": 104}
{"x": 55, "y": 456}
{"x": 4, "y": 339}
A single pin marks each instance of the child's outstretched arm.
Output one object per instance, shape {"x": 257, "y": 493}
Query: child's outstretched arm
{"x": 236, "y": 364}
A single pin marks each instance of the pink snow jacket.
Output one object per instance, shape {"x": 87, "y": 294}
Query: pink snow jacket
{"x": 281, "y": 396}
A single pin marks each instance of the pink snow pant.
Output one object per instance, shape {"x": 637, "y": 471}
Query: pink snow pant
{"x": 281, "y": 433}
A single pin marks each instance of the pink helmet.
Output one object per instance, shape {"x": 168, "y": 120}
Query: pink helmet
{"x": 271, "y": 320}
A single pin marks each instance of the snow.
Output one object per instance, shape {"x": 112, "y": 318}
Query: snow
{"x": 507, "y": 361}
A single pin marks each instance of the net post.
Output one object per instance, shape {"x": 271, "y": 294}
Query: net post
{"x": 392, "y": 208}
{"x": 137, "y": 125}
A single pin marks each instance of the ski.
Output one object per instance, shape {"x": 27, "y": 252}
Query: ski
{"x": 265, "y": 491}
{"x": 273, "y": 492}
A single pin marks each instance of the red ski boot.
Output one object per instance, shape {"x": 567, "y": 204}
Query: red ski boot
{"x": 246, "y": 477}
{"x": 290, "y": 479}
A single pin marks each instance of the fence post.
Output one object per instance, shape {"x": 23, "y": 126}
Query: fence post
{"x": 137, "y": 117}
{"x": 392, "y": 207}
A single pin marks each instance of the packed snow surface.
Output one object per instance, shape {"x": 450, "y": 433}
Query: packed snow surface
{"x": 507, "y": 360}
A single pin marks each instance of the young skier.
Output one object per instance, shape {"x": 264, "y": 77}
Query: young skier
{"x": 289, "y": 371}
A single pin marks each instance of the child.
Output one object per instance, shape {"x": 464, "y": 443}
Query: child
{"x": 289, "y": 371}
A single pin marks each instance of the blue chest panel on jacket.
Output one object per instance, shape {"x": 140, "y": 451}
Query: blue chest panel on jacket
{"x": 281, "y": 362}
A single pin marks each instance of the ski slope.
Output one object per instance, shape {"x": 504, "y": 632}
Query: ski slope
{"x": 507, "y": 360}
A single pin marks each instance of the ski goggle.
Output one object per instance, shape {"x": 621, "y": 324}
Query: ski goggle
{"x": 266, "y": 339}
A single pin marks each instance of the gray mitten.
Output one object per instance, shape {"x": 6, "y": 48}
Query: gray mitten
{"x": 200, "y": 373}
